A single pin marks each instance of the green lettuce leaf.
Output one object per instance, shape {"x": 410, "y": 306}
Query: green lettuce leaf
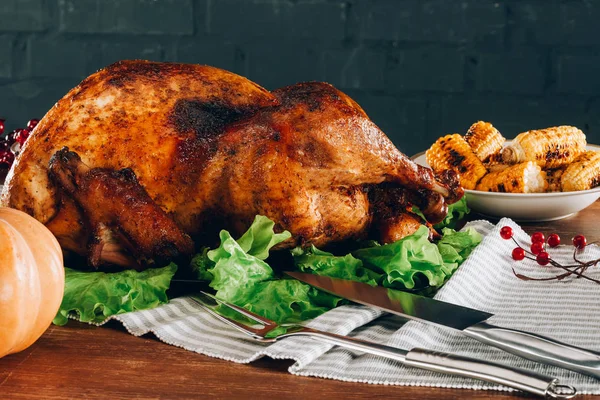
{"x": 95, "y": 296}
{"x": 200, "y": 265}
{"x": 414, "y": 262}
{"x": 455, "y": 247}
{"x": 407, "y": 261}
{"x": 321, "y": 262}
{"x": 260, "y": 238}
{"x": 286, "y": 300}
{"x": 235, "y": 272}
{"x": 456, "y": 212}
{"x": 241, "y": 276}
{"x": 256, "y": 242}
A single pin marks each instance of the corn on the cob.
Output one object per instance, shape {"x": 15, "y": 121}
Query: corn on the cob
{"x": 526, "y": 177}
{"x": 453, "y": 152}
{"x": 484, "y": 139}
{"x": 549, "y": 148}
{"x": 583, "y": 173}
{"x": 553, "y": 177}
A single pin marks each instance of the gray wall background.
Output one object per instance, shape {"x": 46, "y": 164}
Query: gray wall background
{"x": 420, "y": 68}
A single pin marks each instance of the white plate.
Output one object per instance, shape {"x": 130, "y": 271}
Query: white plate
{"x": 527, "y": 207}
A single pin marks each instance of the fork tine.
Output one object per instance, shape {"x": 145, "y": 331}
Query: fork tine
{"x": 243, "y": 311}
{"x": 255, "y": 333}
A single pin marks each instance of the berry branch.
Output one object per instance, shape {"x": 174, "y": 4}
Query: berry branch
{"x": 539, "y": 254}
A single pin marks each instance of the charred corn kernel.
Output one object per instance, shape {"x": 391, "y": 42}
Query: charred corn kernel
{"x": 526, "y": 177}
{"x": 553, "y": 177}
{"x": 583, "y": 173}
{"x": 495, "y": 163}
{"x": 549, "y": 148}
{"x": 453, "y": 152}
{"x": 484, "y": 139}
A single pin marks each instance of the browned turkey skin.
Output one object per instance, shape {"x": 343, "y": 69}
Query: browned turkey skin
{"x": 159, "y": 153}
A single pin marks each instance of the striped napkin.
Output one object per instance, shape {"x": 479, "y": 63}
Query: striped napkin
{"x": 568, "y": 310}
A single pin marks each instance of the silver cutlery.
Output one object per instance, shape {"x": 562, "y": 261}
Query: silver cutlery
{"x": 527, "y": 381}
{"x": 470, "y": 322}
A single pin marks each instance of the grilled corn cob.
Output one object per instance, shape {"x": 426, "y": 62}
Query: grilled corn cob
{"x": 526, "y": 177}
{"x": 583, "y": 173}
{"x": 553, "y": 177}
{"x": 549, "y": 148}
{"x": 453, "y": 152}
{"x": 484, "y": 139}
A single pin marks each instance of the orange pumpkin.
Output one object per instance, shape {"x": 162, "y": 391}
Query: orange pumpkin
{"x": 32, "y": 280}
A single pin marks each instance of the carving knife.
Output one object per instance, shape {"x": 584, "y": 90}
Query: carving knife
{"x": 471, "y": 322}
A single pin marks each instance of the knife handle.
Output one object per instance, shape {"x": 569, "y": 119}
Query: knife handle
{"x": 516, "y": 378}
{"x": 537, "y": 348}
{"x": 520, "y": 379}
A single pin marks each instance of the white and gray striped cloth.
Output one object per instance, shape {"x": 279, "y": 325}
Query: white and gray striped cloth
{"x": 568, "y": 310}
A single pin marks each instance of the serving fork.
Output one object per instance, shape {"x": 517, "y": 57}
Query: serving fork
{"x": 516, "y": 378}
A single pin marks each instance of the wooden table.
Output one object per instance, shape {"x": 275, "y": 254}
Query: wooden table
{"x": 81, "y": 361}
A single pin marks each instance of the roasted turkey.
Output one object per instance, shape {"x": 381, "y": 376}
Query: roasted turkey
{"x": 143, "y": 161}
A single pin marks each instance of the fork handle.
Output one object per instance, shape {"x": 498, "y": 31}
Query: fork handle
{"x": 516, "y": 378}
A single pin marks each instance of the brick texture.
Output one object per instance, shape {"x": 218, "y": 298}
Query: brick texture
{"x": 356, "y": 68}
{"x": 426, "y": 69}
{"x": 579, "y": 74}
{"x": 243, "y": 19}
{"x": 209, "y": 52}
{"x": 115, "y": 51}
{"x": 511, "y": 73}
{"x": 22, "y": 15}
{"x": 153, "y": 17}
{"x": 300, "y": 59}
{"x": 59, "y": 58}
{"x": 420, "y": 68}
{"x": 431, "y": 20}
{"x": 6, "y": 50}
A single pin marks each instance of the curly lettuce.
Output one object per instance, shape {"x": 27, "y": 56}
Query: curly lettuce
{"x": 95, "y": 296}
{"x": 239, "y": 272}
{"x": 240, "y": 275}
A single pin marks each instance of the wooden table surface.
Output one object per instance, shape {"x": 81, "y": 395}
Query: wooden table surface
{"x": 81, "y": 361}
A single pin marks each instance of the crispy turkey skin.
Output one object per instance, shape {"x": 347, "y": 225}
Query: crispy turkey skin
{"x": 204, "y": 149}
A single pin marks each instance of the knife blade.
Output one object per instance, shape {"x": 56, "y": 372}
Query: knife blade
{"x": 470, "y": 322}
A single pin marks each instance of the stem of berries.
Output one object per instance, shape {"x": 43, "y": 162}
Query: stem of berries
{"x": 539, "y": 254}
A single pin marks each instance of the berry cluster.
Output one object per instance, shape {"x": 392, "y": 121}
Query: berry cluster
{"x": 539, "y": 254}
{"x": 11, "y": 143}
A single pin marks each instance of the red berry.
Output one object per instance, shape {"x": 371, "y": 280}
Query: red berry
{"x": 518, "y": 254}
{"x": 506, "y": 232}
{"x": 32, "y": 123}
{"x": 538, "y": 237}
{"x": 4, "y": 145}
{"x": 553, "y": 240}
{"x": 2, "y": 126}
{"x": 21, "y": 136}
{"x": 6, "y": 158}
{"x": 537, "y": 247}
{"x": 579, "y": 241}
{"x": 543, "y": 258}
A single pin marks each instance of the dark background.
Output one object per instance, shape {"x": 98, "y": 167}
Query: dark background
{"x": 420, "y": 68}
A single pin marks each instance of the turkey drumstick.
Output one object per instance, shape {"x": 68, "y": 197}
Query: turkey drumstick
{"x": 114, "y": 203}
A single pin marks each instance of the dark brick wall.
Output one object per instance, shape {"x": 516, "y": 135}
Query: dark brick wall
{"x": 420, "y": 68}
